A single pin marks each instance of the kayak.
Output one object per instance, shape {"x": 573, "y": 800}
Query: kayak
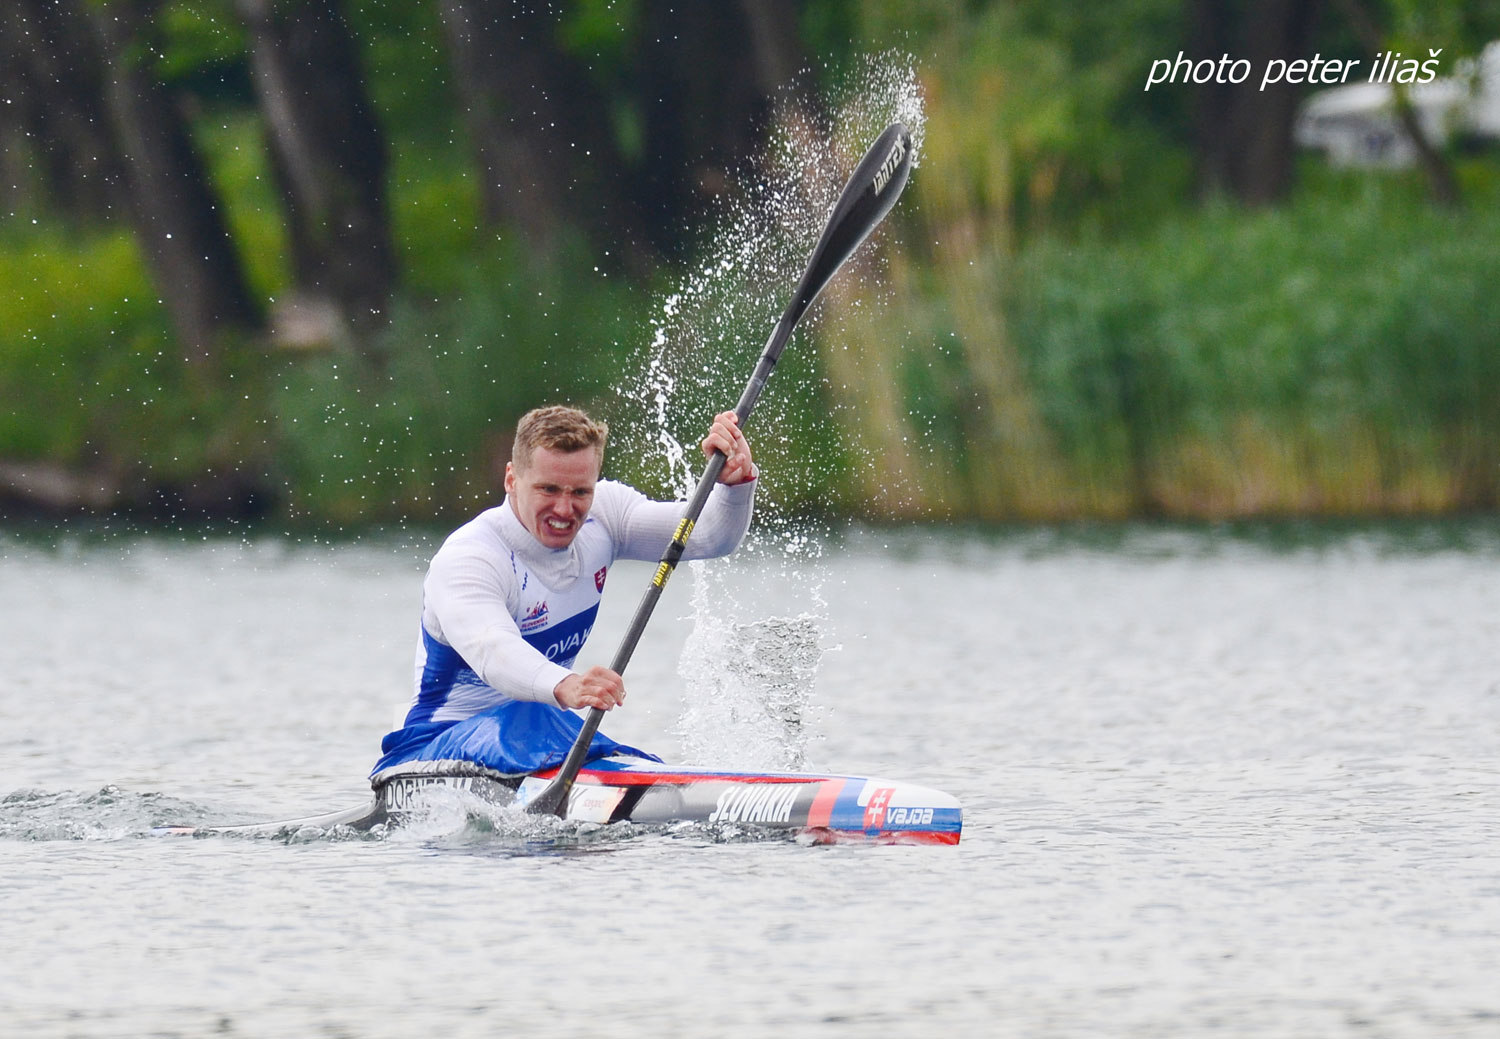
{"x": 823, "y": 806}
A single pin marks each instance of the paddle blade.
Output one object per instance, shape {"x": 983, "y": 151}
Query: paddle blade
{"x": 553, "y": 800}
{"x": 872, "y": 190}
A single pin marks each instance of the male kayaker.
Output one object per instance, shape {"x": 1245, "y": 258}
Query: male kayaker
{"x": 511, "y": 596}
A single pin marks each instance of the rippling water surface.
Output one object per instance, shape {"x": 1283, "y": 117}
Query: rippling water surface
{"x": 1214, "y": 784}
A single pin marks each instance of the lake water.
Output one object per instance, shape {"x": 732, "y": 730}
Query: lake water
{"x": 1214, "y": 783}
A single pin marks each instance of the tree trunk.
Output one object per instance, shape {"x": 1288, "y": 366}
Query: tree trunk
{"x": 328, "y": 156}
{"x": 1245, "y": 133}
{"x": 775, "y": 48}
{"x": 178, "y": 218}
{"x": 541, "y": 131}
{"x": 55, "y": 148}
{"x": 702, "y": 83}
{"x": 709, "y": 75}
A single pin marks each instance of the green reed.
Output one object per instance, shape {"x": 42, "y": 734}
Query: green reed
{"x": 1336, "y": 356}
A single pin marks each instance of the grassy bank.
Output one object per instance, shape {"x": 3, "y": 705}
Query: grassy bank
{"x": 1334, "y": 357}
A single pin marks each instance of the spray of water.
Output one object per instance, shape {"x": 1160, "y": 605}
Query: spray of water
{"x": 759, "y": 620}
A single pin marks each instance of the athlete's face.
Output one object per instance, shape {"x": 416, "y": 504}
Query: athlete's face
{"x": 552, "y": 495}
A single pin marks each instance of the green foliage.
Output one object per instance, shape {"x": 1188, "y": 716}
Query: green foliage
{"x": 829, "y": 30}
{"x": 235, "y": 152}
{"x": 1073, "y": 315}
{"x": 434, "y": 211}
{"x": 1047, "y": 99}
{"x": 201, "y": 43}
{"x": 428, "y": 434}
{"x": 404, "y": 56}
{"x": 1358, "y": 328}
{"x": 599, "y": 31}
{"x": 77, "y": 312}
{"x": 91, "y": 379}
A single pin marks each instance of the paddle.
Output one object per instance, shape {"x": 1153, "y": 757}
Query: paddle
{"x": 871, "y": 192}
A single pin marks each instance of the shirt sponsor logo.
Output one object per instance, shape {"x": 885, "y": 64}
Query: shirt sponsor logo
{"x": 599, "y": 576}
{"x": 534, "y": 618}
{"x": 757, "y": 803}
{"x": 568, "y": 646}
{"x": 875, "y": 808}
{"x": 561, "y": 640}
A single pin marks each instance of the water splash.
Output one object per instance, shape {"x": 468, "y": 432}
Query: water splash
{"x": 107, "y": 814}
{"x": 752, "y": 683}
{"x": 752, "y": 659}
{"x": 710, "y": 328}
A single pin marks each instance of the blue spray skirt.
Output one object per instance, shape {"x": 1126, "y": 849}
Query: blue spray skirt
{"x": 515, "y": 738}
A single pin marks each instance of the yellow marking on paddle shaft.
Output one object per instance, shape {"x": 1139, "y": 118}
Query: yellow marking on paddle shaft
{"x": 684, "y": 530}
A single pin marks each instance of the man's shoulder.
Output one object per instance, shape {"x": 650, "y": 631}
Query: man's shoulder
{"x": 612, "y": 500}
{"x": 484, "y": 533}
{"x": 615, "y": 489}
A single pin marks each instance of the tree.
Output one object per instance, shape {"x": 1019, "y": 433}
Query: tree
{"x": 540, "y": 126}
{"x": 178, "y": 219}
{"x": 707, "y": 77}
{"x": 328, "y": 156}
{"x": 1441, "y": 181}
{"x": 54, "y": 133}
{"x": 1244, "y": 132}
{"x": 622, "y": 136}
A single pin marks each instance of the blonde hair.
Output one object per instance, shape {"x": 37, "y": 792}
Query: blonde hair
{"x": 557, "y": 428}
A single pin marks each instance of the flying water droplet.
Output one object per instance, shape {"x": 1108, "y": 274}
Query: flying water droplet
{"x": 760, "y": 626}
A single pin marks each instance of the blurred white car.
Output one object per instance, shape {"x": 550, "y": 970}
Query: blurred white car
{"x": 1357, "y": 126}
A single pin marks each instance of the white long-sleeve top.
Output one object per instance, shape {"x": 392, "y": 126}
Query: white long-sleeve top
{"x": 503, "y": 616}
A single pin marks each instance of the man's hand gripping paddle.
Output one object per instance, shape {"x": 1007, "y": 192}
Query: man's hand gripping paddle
{"x": 871, "y": 192}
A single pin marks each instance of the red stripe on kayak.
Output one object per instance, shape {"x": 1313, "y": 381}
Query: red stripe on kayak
{"x": 822, "y": 806}
{"x": 610, "y": 777}
{"x": 916, "y": 837}
{"x": 825, "y": 835}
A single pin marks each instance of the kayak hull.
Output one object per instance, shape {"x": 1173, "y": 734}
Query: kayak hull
{"x": 824, "y": 806}
{"x": 623, "y": 789}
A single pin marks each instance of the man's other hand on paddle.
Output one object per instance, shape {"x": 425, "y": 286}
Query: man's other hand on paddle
{"x": 724, "y": 435}
{"x": 597, "y": 687}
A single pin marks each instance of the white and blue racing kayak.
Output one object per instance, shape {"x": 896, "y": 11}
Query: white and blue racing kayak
{"x": 823, "y": 806}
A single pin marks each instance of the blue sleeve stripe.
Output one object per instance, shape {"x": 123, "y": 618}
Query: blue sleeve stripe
{"x": 444, "y": 668}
